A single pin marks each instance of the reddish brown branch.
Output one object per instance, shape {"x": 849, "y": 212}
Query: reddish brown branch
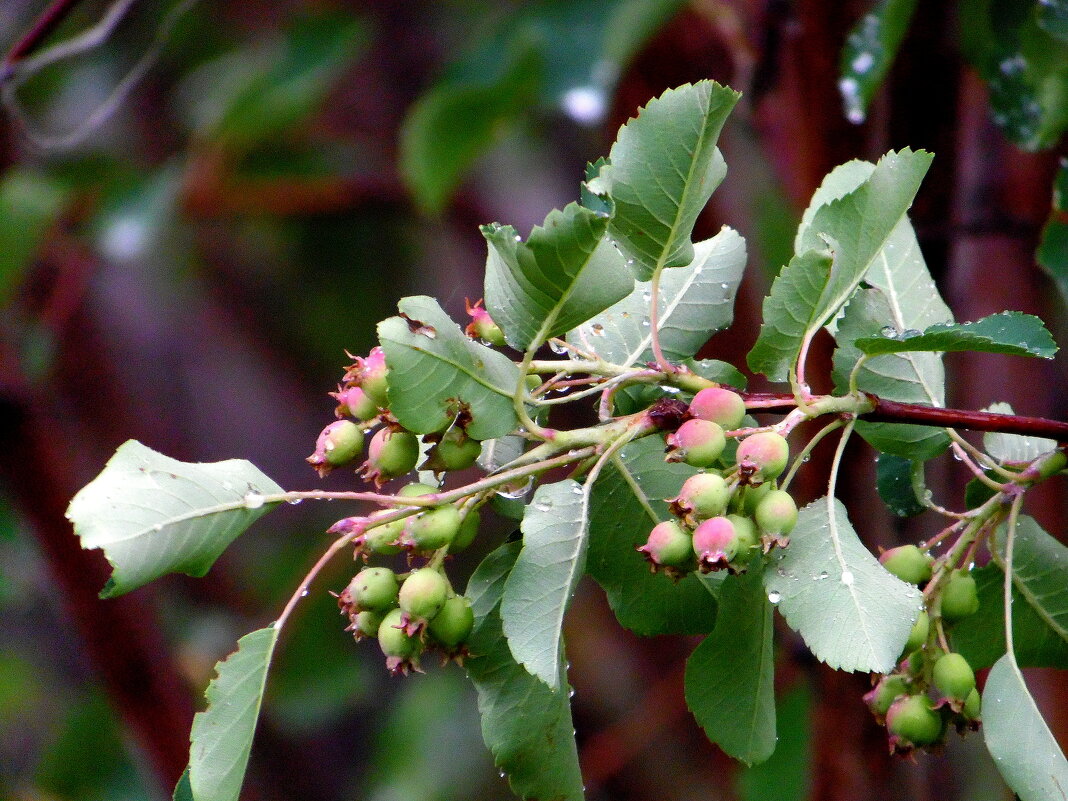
{"x": 887, "y": 411}
{"x": 47, "y": 21}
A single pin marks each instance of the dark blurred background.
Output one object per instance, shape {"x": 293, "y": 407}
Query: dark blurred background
{"x": 189, "y": 269}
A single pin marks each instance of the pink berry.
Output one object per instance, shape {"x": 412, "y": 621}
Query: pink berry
{"x": 719, "y": 405}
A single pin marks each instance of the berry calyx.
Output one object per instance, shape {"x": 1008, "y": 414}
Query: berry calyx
{"x": 702, "y": 496}
{"x": 433, "y": 529}
{"x": 696, "y": 442}
{"x": 668, "y": 545}
{"x": 371, "y": 374}
{"x": 908, "y": 563}
{"x": 451, "y": 627}
{"x": 482, "y": 325}
{"x": 776, "y": 513}
{"x": 715, "y": 542}
{"x": 373, "y": 588}
{"x": 338, "y": 444}
{"x": 954, "y": 678}
{"x": 719, "y": 405}
{"x": 390, "y": 454}
{"x": 960, "y": 599}
{"x": 912, "y": 721}
{"x": 400, "y": 648}
{"x": 421, "y": 597}
{"x": 762, "y": 456}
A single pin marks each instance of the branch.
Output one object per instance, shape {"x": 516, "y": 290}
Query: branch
{"x": 887, "y": 411}
{"x": 46, "y": 22}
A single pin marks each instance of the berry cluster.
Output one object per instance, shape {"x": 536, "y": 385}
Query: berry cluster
{"x": 722, "y": 515}
{"x": 407, "y": 614}
{"x": 933, "y": 688}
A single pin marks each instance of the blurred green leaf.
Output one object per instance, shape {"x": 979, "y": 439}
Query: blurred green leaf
{"x": 869, "y": 52}
{"x": 183, "y": 791}
{"x": 30, "y": 201}
{"x": 1052, "y": 253}
{"x": 896, "y": 480}
{"x": 1007, "y": 332}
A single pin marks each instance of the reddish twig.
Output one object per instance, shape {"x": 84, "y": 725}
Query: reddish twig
{"x": 47, "y": 21}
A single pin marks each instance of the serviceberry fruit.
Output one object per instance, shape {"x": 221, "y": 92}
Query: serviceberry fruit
{"x": 371, "y": 374}
{"x": 912, "y": 721}
{"x": 972, "y": 709}
{"x": 719, "y": 405}
{"x": 954, "y": 678}
{"x": 762, "y": 456}
{"x": 390, "y": 454}
{"x": 702, "y": 496}
{"x": 748, "y": 496}
{"x": 365, "y": 624}
{"x": 748, "y": 538}
{"x": 435, "y": 528}
{"x": 373, "y": 588}
{"x": 354, "y": 402}
{"x": 960, "y": 599}
{"x": 908, "y": 563}
{"x": 918, "y": 635}
{"x": 883, "y": 694}
{"x": 338, "y": 444}
{"x": 400, "y": 648}
{"x": 482, "y": 325}
{"x": 451, "y": 627}
{"x": 715, "y": 542}
{"x": 421, "y": 597}
{"x": 454, "y": 451}
{"x": 696, "y": 442}
{"x": 669, "y": 545}
{"x": 776, "y": 513}
{"x": 468, "y": 531}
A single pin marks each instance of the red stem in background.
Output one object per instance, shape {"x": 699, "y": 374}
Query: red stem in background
{"x": 47, "y": 21}
{"x": 887, "y": 411}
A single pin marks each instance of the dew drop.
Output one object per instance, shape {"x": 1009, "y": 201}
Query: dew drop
{"x": 863, "y": 62}
{"x": 821, "y": 576}
{"x": 542, "y": 506}
{"x": 513, "y": 491}
{"x": 577, "y": 489}
{"x": 157, "y": 527}
{"x": 294, "y": 501}
{"x": 597, "y": 329}
{"x": 253, "y": 500}
{"x": 304, "y": 593}
{"x": 847, "y": 578}
{"x": 586, "y": 105}
{"x": 774, "y": 597}
{"x": 557, "y": 347}
{"x": 226, "y": 485}
{"x": 645, "y": 322}
{"x": 888, "y": 331}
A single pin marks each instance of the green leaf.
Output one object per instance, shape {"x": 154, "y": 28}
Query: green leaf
{"x": 182, "y": 790}
{"x": 715, "y": 370}
{"x": 852, "y": 614}
{"x": 565, "y": 273}
{"x": 869, "y": 52}
{"x": 540, "y": 586}
{"x": 787, "y": 775}
{"x": 662, "y": 170}
{"x": 1052, "y": 255}
{"x": 221, "y": 738}
{"x": 1014, "y": 447}
{"x": 29, "y": 204}
{"x": 693, "y": 303}
{"x": 436, "y": 371}
{"x": 1053, "y": 18}
{"x": 897, "y": 481}
{"x": 730, "y": 675}
{"x": 909, "y": 377}
{"x": 458, "y": 120}
{"x": 981, "y": 637}
{"x": 1012, "y": 333}
{"x": 626, "y": 502}
{"x": 1040, "y": 606}
{"x": 855, "y": 228}
{"x": 1023, "y": 748}
{"x": 154, "y": 515}
{"x": 526, "y": 726}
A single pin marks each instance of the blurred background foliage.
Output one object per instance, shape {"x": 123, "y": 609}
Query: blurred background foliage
{"x": 201, "y": 211}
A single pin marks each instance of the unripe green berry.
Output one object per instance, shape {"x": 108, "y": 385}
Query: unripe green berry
{"x": 913, "y": 721}
{"x": 908, "y": 563}
{"x": 776, "y": 513}
{"x": 953, "y": 677}
{"x": 435, "y": 528}
{"x": 372, "y": 375}
{"x": 1052, "y": 465}
{"x": 454, "y": 451}
{"x": 366, "y": 623}
{"x": 354, "y": 402}
{"x": 423, "y": 594}
{"x": 763, "y": 455}
{"x": 468, "y": 531}
{"x": 972, "y": 706}
{"x": 697, "y": 443}
{"x": 374, "y": 588}
{"x": 751, "y": 496}
{"x": 720, "y": 406}
{"x": 702, "y": 496}
{"x": 482, "y": 325}
{"x": 452, "y": 625}
{"x": 338, "y": 444}
{"x": 415, "y": 490}
{"x": 668, "y": 545}
{"x": 715, "y": 542}
{"x": 401, "y": 648}
{"x": 888, "y": 690}
{"x": 960, "y": 599}
{"x": 918, "y": 635}
{"x": 748, "y": 536}
{"x": 391, "y": 454}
